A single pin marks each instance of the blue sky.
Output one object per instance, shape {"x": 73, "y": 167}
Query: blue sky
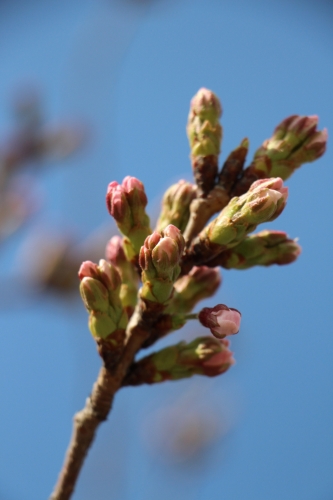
{"x": 129, "y": 72}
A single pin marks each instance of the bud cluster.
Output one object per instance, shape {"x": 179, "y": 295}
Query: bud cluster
{"x": 126, "y": 203}
{"x": 100, "y": 289}
{"x": 178, "y": 263}
{"x": 263, "y": 202}
{"x": 159, "y": 260}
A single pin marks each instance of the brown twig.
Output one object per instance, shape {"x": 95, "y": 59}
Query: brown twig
{"x": 98, "y": 405}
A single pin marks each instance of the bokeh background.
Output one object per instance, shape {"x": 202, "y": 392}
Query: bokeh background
{"x": 126, "y": 70}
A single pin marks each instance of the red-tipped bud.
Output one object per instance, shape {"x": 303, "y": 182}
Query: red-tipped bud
{"x": 88, "y": 270}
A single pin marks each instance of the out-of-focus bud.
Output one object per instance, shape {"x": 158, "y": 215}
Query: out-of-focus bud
{"x": 94, "y": 295}
{"x": 205, "y": 135}
{"x": 159, "y": 259}
{"x": 262, "y": 249}
{"x": 203, "y": 356}
{"x": 201, "y": 283}
{"x": 126, "y": 203}
{"x": 176, "y": 205}
{"x": 263, "y": 202}
{"x": 129, "y": 276}
{"x": 221, "y": 320}
{"x": 295, "y": 141}
{"x": 103, "y": 272}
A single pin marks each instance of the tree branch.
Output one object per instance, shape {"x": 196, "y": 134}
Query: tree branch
{"x": 99, "y": 404}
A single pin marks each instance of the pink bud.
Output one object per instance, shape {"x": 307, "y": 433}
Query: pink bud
{"x": 221, "y": 320}
{"x": 130, "y": 183}
{"x": 152, "y": 240}
{"x": 144, "y": 257}
{"x": 108, "y": 275}
{"x": 166, "y": 252}
{"x": 88, "y": 270}
{"x": 116, "y": 201}
{"x": 174, "y": 233}
{"x": 114, "y": 251}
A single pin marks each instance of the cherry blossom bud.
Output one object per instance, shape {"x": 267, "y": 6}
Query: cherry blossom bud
{"x": 126, "y": 203}
{"x": 205, "y": 135}
{"x": 88, "y": 270}
{"x": 201, "y": 283}
{"x": 221, "y": 320}
{"x": 203, "y": 128}
{"x": 262, "y": 203}
{"x": 128, "y": 273}
{"x": 176, "y": 205}
{"x": 295, "y": 141}
{"x": 114, "y": 251}
{"x": 262, "y": 249}
{"x": 159, "y": 259}
{"x": 203, "y": 356}
{"x": 100, "y": 290}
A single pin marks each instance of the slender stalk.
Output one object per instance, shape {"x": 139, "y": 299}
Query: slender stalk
{"x": 99, "y": 404}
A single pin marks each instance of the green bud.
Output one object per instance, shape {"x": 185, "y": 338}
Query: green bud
{"x": 201, "y": 283}
{"x": 203, "y": 356}
{"x": 295, "y": 141}
{"x": 129, "y": 276}
{"x": 94, "y": 295}
{"x": 262, "y": 249}
{"x": 263, "y": 202}
{"x": 101, "y": 325}
{"x": 203, "y": 128}
{"x": 100, "y": 290}
{"x": 176, "y": 205}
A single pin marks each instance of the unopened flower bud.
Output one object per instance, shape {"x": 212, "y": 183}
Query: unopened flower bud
{"x": 114, "y": 251}
{"x": 100, "y": 289}
{"x": 262, "y": 249}
{"x": 203, "y": 128}
{"x": 205, "y": 135}
{"x": 88, "y": 269}
{"x": 221, "y": 320}
{"x": 159, "y": 259}
{"x": 126, "y": 203}
{"x": 262, "y": 203}
{"x": 203, "y": 356}
{"x": 118, "y": 206}
{"x": 295, "y": 141}
{"x": 176, "y": 205}
{"x": 103, "y": 272}
{"x": 129, "y": 276}
{"x": 201, "y": 283}
{"x": 94, "y": 295}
